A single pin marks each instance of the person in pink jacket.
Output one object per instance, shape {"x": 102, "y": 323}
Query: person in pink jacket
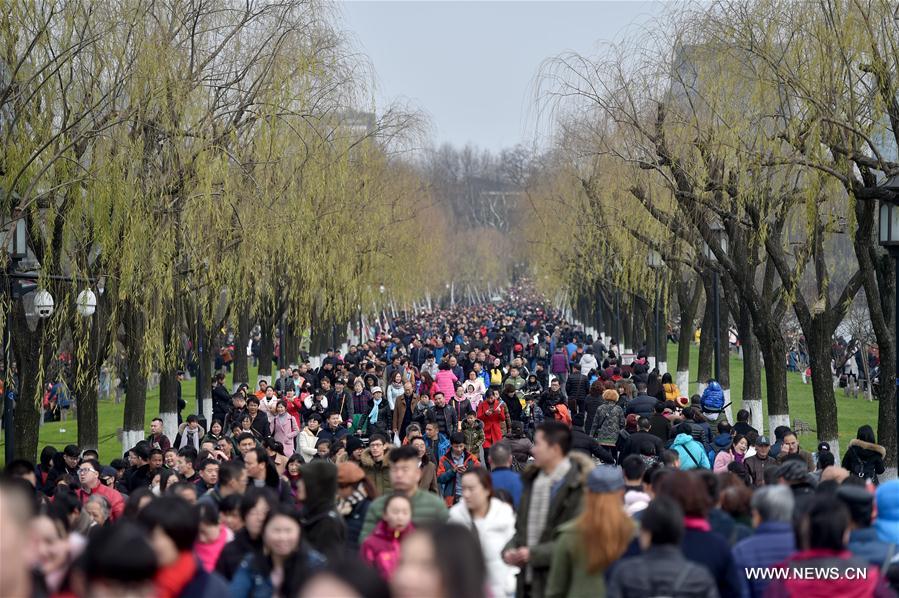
{"x": 445, "y": 380}
{"x": 284, "y": 428}
{"x": 381, "y": 549}
{"x": 735, "y": 451}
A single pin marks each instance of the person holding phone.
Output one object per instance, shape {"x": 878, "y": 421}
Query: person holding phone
{"x": 452, "y": 465}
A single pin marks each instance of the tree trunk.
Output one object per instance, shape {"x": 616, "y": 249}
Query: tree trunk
{"x": 30, "y": 351}
{"x": 205, "y": 394}
{"x": 752, "y": 370}
{"x": 267, "y": 318}
{"x": 168, "y": 401}
{"x": 879, "y": 283}
{"x": 818, "y": 337}
{"x": 688, "y": 296}
{"x": 240, "y": 365}
{"x": 724, "y": 350}
{"x": 662, "y": 331}
{"x": 627, "y": 330}
{"x": 773, "y": 350}
{"x": 93, "y": 337}
{"x": 136, "y": 385}
{"x": 707, "y": 337}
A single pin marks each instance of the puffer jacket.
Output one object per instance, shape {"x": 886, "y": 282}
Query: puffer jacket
{"x": 661, "y": 571}
{"x": 493, "y": 531}
{"x": 377, "y": 473}
{"x": 692, "y": 454}
{"x": 382, "y": 548}
{"x": 607, "y": 422}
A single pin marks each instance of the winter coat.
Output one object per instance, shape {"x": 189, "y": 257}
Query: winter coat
{"x": 447, "y": 476}
{"x": 253, "y": 578}
{"x": 474, "y": 436}
{"x": 558, "y": 363}
{"x": 532, "y": 416}
{"x": 399, "y": 414}
{"x": 756, "y": 467}
{"x": 445, "y": 417}
{"x": 642, "y": 405}
{"x": 508, "y": 480}
{"x": 565, "y": 505}
{"x": 306, "y": 442}
{"x": 722, "y": 460}
{"x": 394, "y": 391}
{"x": 187, "y": 437}
{"x": 576, "y": 387}
{"x": 865, "y": 459}
{"x": 115, "y": 500}
{"x": 445, "y": 381}
{"x": 607, "y": 422}
{"x": 234, "y": 552}
{"x": 672, "y": 392}
{"x": 437, "y": 449}
{"x": 284, "y": 430}
{"x": 426, "y": 508}
{"x": 353, "y": 510}
{"x": 377, "y": 473}
{"x": 661, "y": 571}
{"x": 887, "y": 522}
{"x": 642, "y": 443}
{"x": 520, "y": 446}
{"x": 772, "y": 542}
{"x": 383, "y": 423}
{"x": 461, "y": 408}
{"x": 493, "y": 416}
{"x": 588, "y": 364}
{"x": 381, "y": 549}
{"x": 692, "y": 454}
{"x": 568, "y": 576}
{"x": 494, "y": 531}
{"x": 335, "y": 435}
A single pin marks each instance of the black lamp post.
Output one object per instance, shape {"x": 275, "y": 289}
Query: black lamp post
{"x": 721, "y": 238}
{"x": 889, "y": 239}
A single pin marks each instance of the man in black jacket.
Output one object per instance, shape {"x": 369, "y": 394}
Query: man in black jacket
{"x": 443, "y": 415}
{"x": 642, "y": 442}
{"x": 643, "y": 404}
{"x": 221, "y": 399}
{"x": 577, "y": 388}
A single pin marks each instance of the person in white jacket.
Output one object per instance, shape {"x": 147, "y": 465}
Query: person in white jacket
{"x": 308, "y": 436}
{"x": 494, "y": 522}
{"x": 588, "y": 362}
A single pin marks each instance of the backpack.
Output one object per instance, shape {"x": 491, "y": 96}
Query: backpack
{"x": 862, "y": 468}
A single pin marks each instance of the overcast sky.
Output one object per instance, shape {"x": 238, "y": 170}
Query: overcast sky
{"x": 470, "y": 66}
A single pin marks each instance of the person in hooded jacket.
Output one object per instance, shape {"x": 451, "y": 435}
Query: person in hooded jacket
{"x": 576, "y": 388}
{"x": 323, "y": 527}
{"x": 864, "y": 457}
{"x": 692, "y": 454}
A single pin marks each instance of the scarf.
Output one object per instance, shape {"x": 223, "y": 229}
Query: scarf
{"x": 697, "y": 523}
{"x": 373, "y": 414}
{"x": 538, "y": 509}
{"x": 171, "y": 580}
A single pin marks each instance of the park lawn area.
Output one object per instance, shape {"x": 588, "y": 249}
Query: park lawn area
{"x": 60, "y": 434}
{"x": 852, "y": 412}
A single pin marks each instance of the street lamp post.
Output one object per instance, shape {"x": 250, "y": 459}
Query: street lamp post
{"x": 654, "y": 261}
{"x": 889, "y": 239}
{"x": 721, "y": 238}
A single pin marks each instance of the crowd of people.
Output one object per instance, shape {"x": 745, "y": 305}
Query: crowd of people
{"x": 487, "y": 451}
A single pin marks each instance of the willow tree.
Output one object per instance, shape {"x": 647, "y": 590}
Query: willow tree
{"x": 835, "y": 69}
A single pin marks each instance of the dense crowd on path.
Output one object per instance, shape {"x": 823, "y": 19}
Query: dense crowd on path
{"x": 487, "y": 451}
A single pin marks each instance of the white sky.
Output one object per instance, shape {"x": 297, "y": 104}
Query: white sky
{"x": 471, "y": 66}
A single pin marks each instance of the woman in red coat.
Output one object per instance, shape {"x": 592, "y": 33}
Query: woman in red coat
{"x": 491, "y": 412}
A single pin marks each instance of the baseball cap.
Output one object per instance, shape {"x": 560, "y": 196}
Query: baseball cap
{"x": 763, "y": 440}
{"x": 823, "y": 446}
{"x": 605, "y": 478}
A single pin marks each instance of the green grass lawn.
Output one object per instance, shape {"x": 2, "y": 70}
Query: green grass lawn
{"x": 852, "y": 412}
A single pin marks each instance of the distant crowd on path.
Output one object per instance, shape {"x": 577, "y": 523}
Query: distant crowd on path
{"x": 486, "y": 451}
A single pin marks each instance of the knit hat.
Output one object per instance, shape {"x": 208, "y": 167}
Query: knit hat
{"x": 610, "y": 395}
{"x": 353, "y": 442}
{"x": 605, "y": 478}
{"x": 349, "y": 473}
{"x": 375, "y": 389}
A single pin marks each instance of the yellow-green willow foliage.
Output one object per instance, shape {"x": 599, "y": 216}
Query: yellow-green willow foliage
{"x": 183, "y": 153}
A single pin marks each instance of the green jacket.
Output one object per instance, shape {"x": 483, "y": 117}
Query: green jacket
{"x": 426, "y": 508}
{"x": 565, "y": 505}
{"x": 568, "y": 577}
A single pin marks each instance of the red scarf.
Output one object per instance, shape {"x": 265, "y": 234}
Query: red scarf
{"x": 171, "y": 580}
{"x": 697, "y": 523}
